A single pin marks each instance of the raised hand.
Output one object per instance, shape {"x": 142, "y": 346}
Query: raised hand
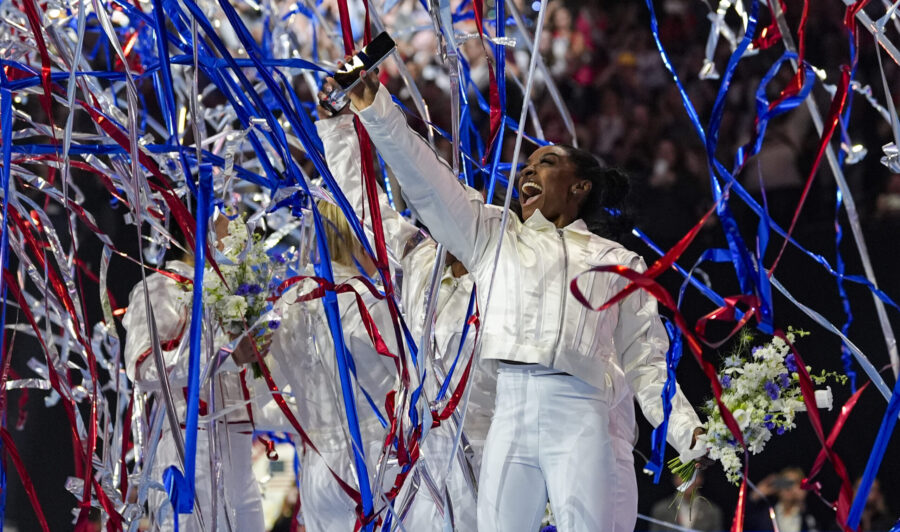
{"x": 244, "y": 353}
{"x": 704, "y": 461}
{"x": 363, "y": 94}
{"x": 328, "y": 87}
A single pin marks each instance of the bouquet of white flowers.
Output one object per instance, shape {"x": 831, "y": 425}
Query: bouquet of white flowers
{"x": 240, "y": 303}
{"x": 762, "y": 391}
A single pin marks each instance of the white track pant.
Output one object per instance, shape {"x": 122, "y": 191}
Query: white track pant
{"x": 423, "y": 515}
{"x": 324, "y": 505}
{"x": 626, "y": 495}
{"x": 242, "y": 504}
{"x": 549, "y": 437}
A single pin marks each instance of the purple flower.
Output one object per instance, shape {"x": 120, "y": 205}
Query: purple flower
{"x": 791, "y": 362}
{"x": 549, "y": 528}
{"x": 769, "y": 424}
{"x": 274, "y": 324}
{"x": 279, "y": 258}
{"x": 726, "y": 381}
{"x": 772, "y": 390}
{"x": 254, "y": 289}
{"x": 780, "y": 431}
{"x": 273, "y": 284}
{"x": 784, "y": 380}
{"x": 242, "y": 290}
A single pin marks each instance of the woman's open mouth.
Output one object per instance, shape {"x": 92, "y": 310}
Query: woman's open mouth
{"x": 530, "y": 192}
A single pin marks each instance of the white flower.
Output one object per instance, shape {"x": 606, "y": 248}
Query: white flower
{"x": 733, "y": 361}
{"x": 233, "y": 308}
{"x": 824, "y": 398}
{"x": 778, "y": 344}
{"x": 758, "y": 439}
{"x": 791, "y": 407}
{"x": 742, "y": 417}
{"x": 752, "y": 382}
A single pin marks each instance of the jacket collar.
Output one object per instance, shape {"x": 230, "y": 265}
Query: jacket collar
{"x": 181, "y": 268}
{"x": 540, "y": 223}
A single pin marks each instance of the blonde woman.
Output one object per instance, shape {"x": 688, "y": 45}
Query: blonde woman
{"x": 303, "y": 354}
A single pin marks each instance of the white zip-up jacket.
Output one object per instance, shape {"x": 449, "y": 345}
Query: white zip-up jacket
{"x": 416, "y": 253}
{"x": 533, "y": 317}
{"x": 302, "y": 353}
{"x": 172, "y": 311}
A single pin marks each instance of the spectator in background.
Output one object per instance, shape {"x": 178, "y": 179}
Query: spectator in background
{"x": 888, "y": 202}
{"x": 609, "y": 126}
{"x": 789, "y": 499}
{"x": 689, "y": 510}
{"x": 777, "y": 166}
{"x": 670, "y": 195}
{"x": 876, "y": 516}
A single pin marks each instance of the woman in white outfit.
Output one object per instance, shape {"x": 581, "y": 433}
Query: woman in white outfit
{"x": 416, "y": 253}
{"x": 241, "y": 508}
{"x": 558, "y": 361}
{"x": 302, "y": 351}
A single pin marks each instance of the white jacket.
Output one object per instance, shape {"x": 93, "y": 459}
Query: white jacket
{"x": 172, "y": 310}
{"x": 533, "y": 317}
{"x": 302, "y": 351}
{"x": 416, "y": 253}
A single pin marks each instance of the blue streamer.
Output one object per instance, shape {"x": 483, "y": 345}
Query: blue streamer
{"x": 115, "y": 149}
{"x": 875, "y": 457}
{"x": 163, "y": 81}
{"x": 462, "y": 342}
{"x": 743, "y": 265}
{"x": 846, "y": 355}
{"x": 180, "y": 486}
{"x": 386, "y": 181}
{"x": 6, "y": 128}
{"x": 658, "y": 438}
{"x": 674, "y": 353}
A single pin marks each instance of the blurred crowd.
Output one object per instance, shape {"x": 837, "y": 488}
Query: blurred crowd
{"x": 777, "y": 502}
{"x": 626, "y": 109}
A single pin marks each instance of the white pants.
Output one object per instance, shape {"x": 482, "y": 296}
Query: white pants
{"x": 243, "y": 502}
{"x": 626, "y": 496}
{"x": 424, "y": 515}
{"x": 549, "y": 437}
{"x": 324, "y": 505}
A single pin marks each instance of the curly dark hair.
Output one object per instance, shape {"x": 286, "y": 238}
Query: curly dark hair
{"x": 607, "y": 210}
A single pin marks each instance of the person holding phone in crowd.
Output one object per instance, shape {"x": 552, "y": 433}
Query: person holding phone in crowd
{"x": 560, "y": 366}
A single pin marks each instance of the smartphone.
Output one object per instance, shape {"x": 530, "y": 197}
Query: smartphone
{"x": 372, "y": 55}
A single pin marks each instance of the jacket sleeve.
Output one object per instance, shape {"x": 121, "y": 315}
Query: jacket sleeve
{"x": 641, "y": 343}
{"x": 342, "y": 155}
{"x": 171, "y": 325}
{"x": 455, "y": 215}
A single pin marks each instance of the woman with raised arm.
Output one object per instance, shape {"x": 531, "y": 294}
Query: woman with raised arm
{"x": 561, "y": 366}
{"x": 415, "y": 253}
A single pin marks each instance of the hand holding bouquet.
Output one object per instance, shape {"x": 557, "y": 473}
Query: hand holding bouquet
{"x": 239, "y": 299}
